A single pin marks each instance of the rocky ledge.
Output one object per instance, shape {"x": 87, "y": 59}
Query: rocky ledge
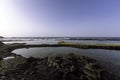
{"x": 68, "y": 67}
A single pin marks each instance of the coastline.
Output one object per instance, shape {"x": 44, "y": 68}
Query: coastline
{"x": 14, "y": 46}
{"x": 9, "y": 48}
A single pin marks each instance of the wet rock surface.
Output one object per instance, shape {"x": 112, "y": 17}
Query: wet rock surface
{"x": 1, "y": 43}
{"x": 68, "y": 67}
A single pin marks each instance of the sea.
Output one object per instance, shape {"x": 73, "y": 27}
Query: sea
{"x": 108, "y": 59}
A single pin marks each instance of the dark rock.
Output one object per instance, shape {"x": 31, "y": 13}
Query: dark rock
{"x": 1, "y": 43}
{"x": 69, "y": 67}
{"x": 1, "y": 58}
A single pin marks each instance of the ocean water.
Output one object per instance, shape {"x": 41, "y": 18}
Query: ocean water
{"x": 56, "y": 40}
{"x": 109, "y": 59}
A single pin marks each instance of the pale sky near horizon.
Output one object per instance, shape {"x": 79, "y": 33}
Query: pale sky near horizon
{"x": 76, "y": 18}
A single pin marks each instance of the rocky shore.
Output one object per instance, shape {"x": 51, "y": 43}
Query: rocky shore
{"x": 68, "y": 67}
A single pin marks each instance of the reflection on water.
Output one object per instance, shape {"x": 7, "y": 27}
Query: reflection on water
{"x": 110, "y": 59}
{"x": 10, "y": 57}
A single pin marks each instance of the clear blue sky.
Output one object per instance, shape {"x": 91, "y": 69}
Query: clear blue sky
{"x": 83, "y": 18}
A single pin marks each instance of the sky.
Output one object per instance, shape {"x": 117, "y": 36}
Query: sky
{"x": 59, "y": 18}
